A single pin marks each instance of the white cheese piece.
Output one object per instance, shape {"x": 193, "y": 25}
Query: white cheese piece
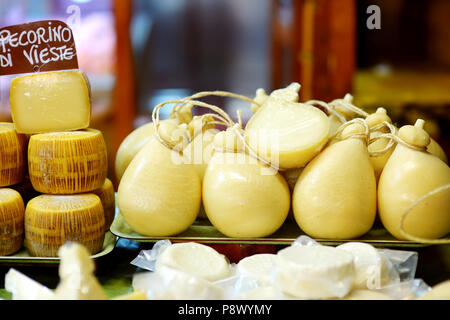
{"x": 25, "y": 288}
{"x": 172, "y": 284}
{"x": 260, "y": 267}
{"x": 316, "y": 272}
{"x": 196, "y": 259}
{"x": 370, "y": 266}
{"x": 76, "y": 272}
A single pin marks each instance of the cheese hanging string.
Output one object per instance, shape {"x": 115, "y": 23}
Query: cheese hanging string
{"x": 394, "y": 139}
{"x": 415, "y": 204}
{"x": 328, "y": 108}
{"x": 364, "y": 135}
{"x": 391, "y": 142}
{"x": 223, "y": 117}
{"x": 346, "y": 103}
{"x": 216, "y": 93}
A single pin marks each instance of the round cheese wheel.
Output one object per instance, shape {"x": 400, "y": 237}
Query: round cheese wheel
{"x": 108, "y": 197}
{"x": 52, "y": 220}
{"x": 67, "y": 162}
{"x": 12, "y": 155}
{"x": 12, "y": 212}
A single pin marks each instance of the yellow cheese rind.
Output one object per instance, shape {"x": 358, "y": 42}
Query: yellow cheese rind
{"x": 50, "y": 101}
{"x": 12, "y": 213}
{"x": 159, "y": 195}
{"x": 51, "y": 220}
{"x": 131, "y": 145}
{"x": 288, "y": 132}
{"x": 244, "y": 198}
{"x": 12, "y": 155}
{"x": 108, "y": 197}
{"x": 67, "y": 162}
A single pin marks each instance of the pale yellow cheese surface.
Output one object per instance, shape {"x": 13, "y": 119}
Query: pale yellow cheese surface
{"x": 50, "y": 101}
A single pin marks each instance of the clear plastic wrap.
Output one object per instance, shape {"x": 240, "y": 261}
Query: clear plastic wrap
{"x": 171, "y": 284}
{"x": 146, "y": 259}
{"x": 332, "y": 280}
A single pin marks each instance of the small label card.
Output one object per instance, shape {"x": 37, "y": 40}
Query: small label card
{"x": 37, "y": 46}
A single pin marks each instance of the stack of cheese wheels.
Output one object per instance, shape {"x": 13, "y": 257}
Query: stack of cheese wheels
{"x": 67, "y": 163}
{"x": 12, "y": 172}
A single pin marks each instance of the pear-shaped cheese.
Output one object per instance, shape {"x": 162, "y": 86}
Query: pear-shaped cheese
{"x": 131, "y": 145}
{"x": 242, "y": 197}
{"x": 159, "y": 194}
{"x": 335, "y": 196}
{"x": 409, "y": 175}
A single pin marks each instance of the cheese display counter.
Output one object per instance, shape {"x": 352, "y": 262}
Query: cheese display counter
{"x": 303, "y": 198}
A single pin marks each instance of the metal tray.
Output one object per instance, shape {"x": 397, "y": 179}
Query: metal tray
{"x": 23, "y": 257}
{"x": 203, "y": 232}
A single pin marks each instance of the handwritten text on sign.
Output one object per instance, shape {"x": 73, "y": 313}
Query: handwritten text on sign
{"x": 37, "y": 46}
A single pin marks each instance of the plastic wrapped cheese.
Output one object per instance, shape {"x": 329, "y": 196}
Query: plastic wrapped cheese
{"x": 171, "y": 284}
{"x": 196, "y": 259}
{"x": 259, "y": 267}
{"x": 315, "y": 272}
{"x": 371, "y": 269}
